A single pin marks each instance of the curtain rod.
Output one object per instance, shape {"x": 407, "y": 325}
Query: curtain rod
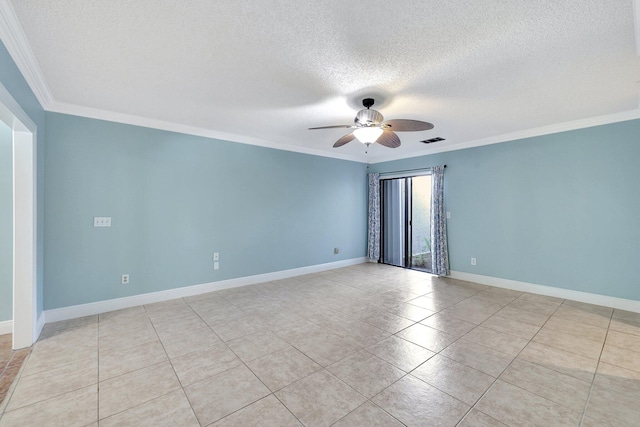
{"x": 409, "y": 170}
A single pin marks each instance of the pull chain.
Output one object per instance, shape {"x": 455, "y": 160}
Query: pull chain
{"x": 366, "y": 153}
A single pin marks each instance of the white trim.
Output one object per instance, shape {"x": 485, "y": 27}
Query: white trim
{"x": 24, "y": 239}
{"x": 39, "y": 326}
{"x": 6, "y": 327}
{"x": 111, "y": 116}
{"x": 12, "y": 113}
{"x": 14, "y": 39}
{"x": 72, "y": 312}
{"x": 18, "y": 46}
{"x": 529, "y": 133}
{"x": 24, "y": 220}
{"x": 98, "y": 114}
{"x": 607, "y": 301}
{"x": 406, "y": 173}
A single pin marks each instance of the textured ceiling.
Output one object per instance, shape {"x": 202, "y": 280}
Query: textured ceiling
{"x": 267, "y": 70}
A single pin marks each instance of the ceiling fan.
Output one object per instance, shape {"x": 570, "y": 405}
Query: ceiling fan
{"x": 369, "y": 128}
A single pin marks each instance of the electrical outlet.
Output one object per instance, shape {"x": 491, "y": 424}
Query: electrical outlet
{"x": 216, "y": 265}
{"x": 473, "y": 261}
{"x": 336, "y": 251}
{"x": 125, "y": 279}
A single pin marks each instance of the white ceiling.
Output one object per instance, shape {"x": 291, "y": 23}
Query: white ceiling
{"x": 262, "y": 72}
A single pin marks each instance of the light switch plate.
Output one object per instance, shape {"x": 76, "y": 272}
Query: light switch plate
{"x": 102, "y": 221}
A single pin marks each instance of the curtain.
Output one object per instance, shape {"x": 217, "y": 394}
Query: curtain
{"x": 439, "y": 252}
{"x": 374, "y": 217}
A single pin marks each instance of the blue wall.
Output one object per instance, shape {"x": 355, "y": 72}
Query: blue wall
{"x": 175, "y": 199}
{"x": 559, "y": 210}
{"x": 14, "y": 82}
{"x": 6, "y": 223}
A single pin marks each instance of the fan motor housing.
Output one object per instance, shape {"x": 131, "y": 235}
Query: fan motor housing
{"x": 367, "y": 117}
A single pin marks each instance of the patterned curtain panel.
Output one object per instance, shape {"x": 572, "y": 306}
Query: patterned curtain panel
{"x": 439, "y": 252}
{"x": 374, "y": 216}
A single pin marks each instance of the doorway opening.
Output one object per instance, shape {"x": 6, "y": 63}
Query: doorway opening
{"x": 405, "y": 222}
{"x": 24, "y": 323}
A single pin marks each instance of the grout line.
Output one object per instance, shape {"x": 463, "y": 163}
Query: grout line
{"x": 139, "y": 369}
{"x": 170, "y": 362}
{"x": 241, "y": 361}
{"x": 504, "y": 370}
{"x": 98, "y": 370}
{"x": 323, "y": 368}
{"x": 4, "y": 403}
{"x": 271, "y": 393}
{"x": 595, "y": 374}
{"x": 292, "y": 298}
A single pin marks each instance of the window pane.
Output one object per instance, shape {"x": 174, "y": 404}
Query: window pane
{"x": 420, "y": 230}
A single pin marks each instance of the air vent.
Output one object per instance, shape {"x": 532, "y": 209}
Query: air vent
{"x": 432, "y": 140}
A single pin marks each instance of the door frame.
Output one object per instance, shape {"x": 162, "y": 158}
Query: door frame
{"x": 25, "y": 326}
{"x": 408, "y": 221}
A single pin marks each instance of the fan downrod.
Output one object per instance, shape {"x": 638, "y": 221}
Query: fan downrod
{"x": 367, "y": 102}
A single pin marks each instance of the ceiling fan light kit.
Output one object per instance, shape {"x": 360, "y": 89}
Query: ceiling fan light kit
{"x": 369, "y": 128}
{"x": 368, "y": 135}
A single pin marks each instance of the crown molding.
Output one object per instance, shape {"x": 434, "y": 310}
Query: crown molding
{"x": 16, "y": 42}
{"x": 18, "y": 46}
{"x": 111, "y": 116}
{"x": 95, "y": 113}
{"x": 529, "y": 133}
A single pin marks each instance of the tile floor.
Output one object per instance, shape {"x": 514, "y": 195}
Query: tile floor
{"x": 368, "y": 345}
{"x": 10, "y": 364}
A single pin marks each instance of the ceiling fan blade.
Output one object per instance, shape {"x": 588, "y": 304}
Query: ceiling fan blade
{"x": 333, "y": 127}
{"x": 389, "y": 139}
{"x": 403, "y": 125}
{"x": 347, "y": 138}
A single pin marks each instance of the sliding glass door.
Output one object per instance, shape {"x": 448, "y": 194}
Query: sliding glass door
{"x": 394, "y": 224}
{"x": 405, "y": 216}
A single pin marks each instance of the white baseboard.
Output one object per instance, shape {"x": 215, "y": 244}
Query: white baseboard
{"x": 6, "y": 327}
{"x": 72, "y": 312}
{"x": 39, "y": 326}
{"x": 607, "y": 301}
